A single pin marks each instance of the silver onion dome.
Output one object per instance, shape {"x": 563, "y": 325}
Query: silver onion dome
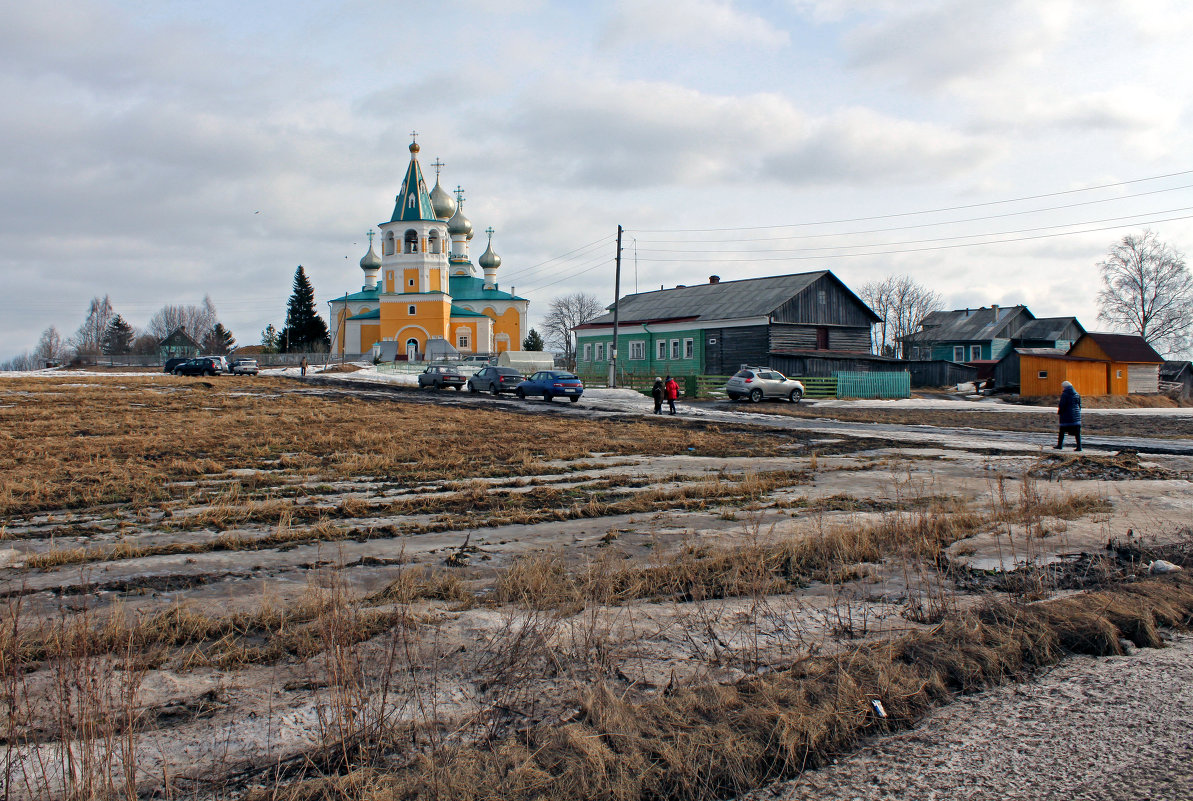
{"x": 489, "y": 259}
{"x": 370, "y": 261}
{"x": 443, "y": 204}
{"x": 459, "y": 224}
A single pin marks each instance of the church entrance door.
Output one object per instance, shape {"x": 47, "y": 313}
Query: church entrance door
{"x": 412, "y": 350}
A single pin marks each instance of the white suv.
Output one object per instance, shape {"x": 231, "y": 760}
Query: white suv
{"x": 757, "y": 383}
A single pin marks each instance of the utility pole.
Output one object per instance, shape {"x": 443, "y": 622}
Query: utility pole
{"x": 616, "y": 303}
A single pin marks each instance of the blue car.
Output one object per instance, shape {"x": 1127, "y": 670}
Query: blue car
{"x": 551, "y": 384}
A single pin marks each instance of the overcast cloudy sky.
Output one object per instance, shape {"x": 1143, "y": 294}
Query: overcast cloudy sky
{"x": 159, "y": 151}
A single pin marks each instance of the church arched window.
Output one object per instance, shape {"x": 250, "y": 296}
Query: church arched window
{"x": 433, "y": 242}
{"x": 388, "y": 248}
{"x": 411, "y": 241}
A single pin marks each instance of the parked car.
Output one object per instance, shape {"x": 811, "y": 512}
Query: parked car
{"x": 551, "y": 384}
{"x": 438, "y": 376}
{"x": 495, "y": 380}
{"x": 757, "y": 383}
{"x": 204, "y": 365}
{"x": 220, "y": 362}
{"x": 170, "y": 364}
{"x": 475, "y": 361}
{"x": 245, "y": 367}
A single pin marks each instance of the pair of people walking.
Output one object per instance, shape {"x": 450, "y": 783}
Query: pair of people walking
{"x": 664, "y": 390}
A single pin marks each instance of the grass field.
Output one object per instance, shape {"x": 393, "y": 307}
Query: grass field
{"x": 255, "y": 588}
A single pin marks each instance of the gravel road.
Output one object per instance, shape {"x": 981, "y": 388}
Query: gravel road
{"x": 1106, "y": 729}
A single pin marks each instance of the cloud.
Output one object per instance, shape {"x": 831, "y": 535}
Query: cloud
{"x": 637, "y": 134}
{"x": 711, "y": 24}
{"x": 935, "y": 44}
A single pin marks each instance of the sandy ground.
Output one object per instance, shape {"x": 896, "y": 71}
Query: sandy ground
{"x": 1104, "y": 729}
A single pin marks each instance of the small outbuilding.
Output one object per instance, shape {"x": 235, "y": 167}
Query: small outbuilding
{"x": 1132, "y": 365}
{"x": 1178, "y": 376}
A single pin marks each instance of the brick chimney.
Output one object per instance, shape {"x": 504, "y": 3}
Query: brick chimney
{"x": 714, "y": 279}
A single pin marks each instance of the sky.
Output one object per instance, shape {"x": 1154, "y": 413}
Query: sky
{"x": 158, "y": 152}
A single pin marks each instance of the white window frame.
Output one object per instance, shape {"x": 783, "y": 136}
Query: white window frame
{"x": 689, "y": 348}
{"x": 609, "y": 350}
{"x": 1042, "y": 374}
{"x": 958, "y": 353}
{"x": 675, "y": 350}
{"x": 661, "y": 350}
{"x": 975, "y": 352}
{"x": 637, "y": 350}
{"x": 599, "y": 353}
{"x": 462, "y": 342}
{"x": 587, "y": 352}
{"x": 412, "y": 309}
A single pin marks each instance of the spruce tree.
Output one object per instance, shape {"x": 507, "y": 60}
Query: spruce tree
{"x": 118, "y": 337}
{"x": 305, "y": 329}
{"x": 219, "y": 340}
{"x": 533, "y": 341}
{"x": 269, "y": 339}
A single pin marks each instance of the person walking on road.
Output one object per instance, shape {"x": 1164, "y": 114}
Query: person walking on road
{"x": 656, "y": 392}
{"x": 671, "y": 391}
{"x": 303, "y": 365}
{"x": 1069, "y": 412}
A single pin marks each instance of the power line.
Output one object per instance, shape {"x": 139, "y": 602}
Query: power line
{"x": 914, "y": 213}
{"x": 926, "y": 225}
{"x": 562, "y": 256}
{"x": 919, "y": 250}
{"x": 925, "y": 241}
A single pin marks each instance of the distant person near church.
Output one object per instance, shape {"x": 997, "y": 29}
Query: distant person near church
{"x": 656, "y": 392}
{"x": 303, "y": 365}
{"x": 1069, "y": 412}
{"x": 671, "y": 390}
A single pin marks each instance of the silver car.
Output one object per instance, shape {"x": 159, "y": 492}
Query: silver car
{"x": 757, "y": 383}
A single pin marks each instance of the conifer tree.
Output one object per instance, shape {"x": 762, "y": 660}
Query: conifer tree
{"x": 305, "y": 329}
{"x": 533, "y": 341}
{"x": 219, "y": 340}
{"x": 269, "y": 339}
{"x": 118, "y": 337}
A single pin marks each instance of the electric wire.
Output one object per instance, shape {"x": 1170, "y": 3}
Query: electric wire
{"x": 924, "y": 211}
{"x": 935, "y": 239}
{"x": 928, "y": 224}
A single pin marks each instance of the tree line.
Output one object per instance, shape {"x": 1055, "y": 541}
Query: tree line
{"x": 105, "y": 332}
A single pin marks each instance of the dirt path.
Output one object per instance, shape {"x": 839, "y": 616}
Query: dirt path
{"x": 1090, "y": 730}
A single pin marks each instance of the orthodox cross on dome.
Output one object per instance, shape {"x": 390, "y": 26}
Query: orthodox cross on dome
{"x": 370, "y": 236}
{"x": 414, "y": 136}
{"x": 438, "y": 165}
{"x": 490, "y": 232}
{"x": 459, "y": 194}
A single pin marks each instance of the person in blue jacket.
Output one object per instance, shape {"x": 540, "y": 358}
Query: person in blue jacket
{"x": 1069, "y": 411}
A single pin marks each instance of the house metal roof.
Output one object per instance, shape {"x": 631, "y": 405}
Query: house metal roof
{"x": 375, "y": 314}
{"x": 725, "y": 300}
{"x": 1128, "y": 348}
{"x": 1051, "y": 328}
{"x": 970, "y": 325}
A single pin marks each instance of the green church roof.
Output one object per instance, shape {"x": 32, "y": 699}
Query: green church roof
{"x": 468, "y": 287}
{"x": 375, "y": 314}
{"x": 460, "y": 311}
{"x": 364, "y": 294}
{"x": 414, "y": 201}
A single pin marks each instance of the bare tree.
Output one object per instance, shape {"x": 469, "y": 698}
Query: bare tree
{"x": 1147, "y": 290}
{"x": 51, "y": 348}
{"x": 24, "y": 361}
{"x": 902, "y": 304}
{"x": 88, "y": 340}
{"x": 564, "y": 314}
{"x": 197, "y": 321}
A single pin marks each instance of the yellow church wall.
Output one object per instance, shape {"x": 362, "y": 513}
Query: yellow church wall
{"x": 436, "y": 282}
{"x": 509, "y": 323}
{"x": 408, "y": 275}
{"x": 369, "y": 334}
{"x": 389, "y": 280}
